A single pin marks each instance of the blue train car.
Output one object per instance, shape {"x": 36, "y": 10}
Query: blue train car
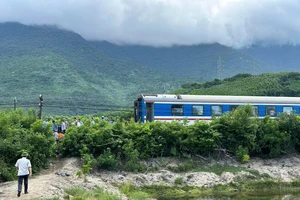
{"x": 168, "y": 107}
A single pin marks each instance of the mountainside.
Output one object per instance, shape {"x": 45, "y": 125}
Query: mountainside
{"x": 204, "y": 62}
{"x": 73, "y": 76}
{"x": 283, "y": 58}
{"x": 77, "y": 76}
{"x": 268, "y": 84}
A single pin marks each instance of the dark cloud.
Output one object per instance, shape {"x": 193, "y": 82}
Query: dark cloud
{"x": 234, "y": 23}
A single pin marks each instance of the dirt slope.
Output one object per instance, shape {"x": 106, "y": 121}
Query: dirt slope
{"x": 50, "y": 185}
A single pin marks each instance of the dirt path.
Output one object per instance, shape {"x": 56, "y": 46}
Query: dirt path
{"x": 52, "y": 182}
{"x": 50, "y": 185}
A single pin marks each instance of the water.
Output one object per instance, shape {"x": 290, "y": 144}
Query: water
{"x": 272, "y": 197}
{"x": 244, "y": 197}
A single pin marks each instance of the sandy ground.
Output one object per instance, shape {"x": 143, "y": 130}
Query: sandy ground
{"x": 51, "y": 182}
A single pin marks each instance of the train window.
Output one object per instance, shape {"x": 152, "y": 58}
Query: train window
{"x": 197, "y": 110}
{"x": 233, "y": 107}
{"x": 287, "y": 109}
{"x": 271, "y": 110}
{"x": 255, "y": 111}
{"x": 216, "y": 110}
{"x": 177, "y": 110}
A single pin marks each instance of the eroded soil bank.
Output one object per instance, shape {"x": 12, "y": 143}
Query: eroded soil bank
{"x": 50, "y": 183}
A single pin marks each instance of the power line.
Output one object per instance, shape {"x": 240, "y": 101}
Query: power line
{"x": 109, "y": 108}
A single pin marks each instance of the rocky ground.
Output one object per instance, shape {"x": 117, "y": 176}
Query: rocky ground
{"x": 51, "y": 182}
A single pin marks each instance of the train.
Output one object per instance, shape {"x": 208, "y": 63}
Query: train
{"x": 169, "y": 107}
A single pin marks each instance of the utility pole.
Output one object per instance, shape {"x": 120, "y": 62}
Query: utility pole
{"x": 15, "y": 103}
{"x": 41, "y": 105}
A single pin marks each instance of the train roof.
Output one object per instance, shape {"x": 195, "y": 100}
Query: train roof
{"x": 220, "y": 98}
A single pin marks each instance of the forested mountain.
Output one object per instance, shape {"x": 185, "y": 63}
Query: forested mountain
{"x": 268, "y": 84}
{"x": 283, "y": 58}
{"x": 201, "y": 62}
{"x": 73, "y": 76}
{"x": 77, "y": 76}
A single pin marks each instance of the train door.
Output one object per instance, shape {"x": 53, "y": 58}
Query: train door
{"x": 137, "y": 115}
{"x": 150, "y": 112}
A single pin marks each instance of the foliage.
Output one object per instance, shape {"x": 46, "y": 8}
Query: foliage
{"x": 290, "y": 123}
{"x": 267, "y": 189}
{"x": 133, "y": 192}
{"x": 98, "y": 193}
{"x": 178, "y": 181}
{"x": 201, "y": 138}
{"x": 242, "y": 154}
{"x": 200, "y": 62}
{"x": 88, "y": 162}
{"x": 122, "y": 145}
{"x": 238, "y": 128}
{"x": 100, "y": 77}
{"x": 268, "y": 84}
{"x": 107, "y": 160}
{"x": 272, "y": 141}
{"x": 132, "y": 158}
{"x": 184, "y": 167}
{"x": 238, "y": 133}
{"x": 20, "y": 132}
{"x": 74, "y": 77}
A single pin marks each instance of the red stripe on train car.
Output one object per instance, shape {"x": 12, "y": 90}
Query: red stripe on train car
{"x": 165, "y": 119}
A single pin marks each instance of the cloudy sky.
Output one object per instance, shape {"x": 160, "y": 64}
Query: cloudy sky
{"x": 235, "y": 23}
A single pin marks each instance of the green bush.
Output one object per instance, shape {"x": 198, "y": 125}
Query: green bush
{"x": 242, "y": 154}
{"x": 238, "y": 128}
{"x": 272, "y": 141}
{"x": 200, "y": 138}
{"x": 132, "y": 161}
{"x": 21, "y": 131}
{"x": 178, "y": 181}
{"x": 107, "y": 160}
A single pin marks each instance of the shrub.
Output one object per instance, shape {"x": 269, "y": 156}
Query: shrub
{"x": 18, "y": 132}
{"x": 107, "y": 160}
{"x": 242, "y": 154}
{"x": 178, "y": 181}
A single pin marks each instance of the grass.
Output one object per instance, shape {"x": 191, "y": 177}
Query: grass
{"x": 219, "y": 169}
{"x": 133, "y": 192}
{"x": 178, "y": 181}
{"x": 192, "y": 166}
{"x": 54, "y": 198}
{"x": 82, "y": 194}
{"x": 265, "y": 189}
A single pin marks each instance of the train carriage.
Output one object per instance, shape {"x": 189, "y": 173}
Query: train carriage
{"x": 168, "y": 107}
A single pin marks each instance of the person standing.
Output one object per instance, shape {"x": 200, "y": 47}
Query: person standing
{"x": 111, "y": 121}
{"x": 54, "y": 126}
{"x": 79, "y": 123}
{"x": 75, "y": 122}
{"x": 92, "y": 121}
{"x": 63, "y": 126}
{"x": 24, "y": 170}
{"x": 45, "y": 123}
{"x": 67, "y": 124}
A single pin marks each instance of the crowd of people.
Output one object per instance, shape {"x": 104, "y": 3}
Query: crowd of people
{"x": 59, "y": 129}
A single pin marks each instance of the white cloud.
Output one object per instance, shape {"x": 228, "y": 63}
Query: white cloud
{"x": 234, "y": 23}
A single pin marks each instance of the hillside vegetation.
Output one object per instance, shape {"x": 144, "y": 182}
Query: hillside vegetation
{"x": 78, "y": 77}
{"x": 197, "y": 62}
{"x": 73, "y": 76}
{"x": 268, "y": 84}
{"x": 283, "y": 58}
